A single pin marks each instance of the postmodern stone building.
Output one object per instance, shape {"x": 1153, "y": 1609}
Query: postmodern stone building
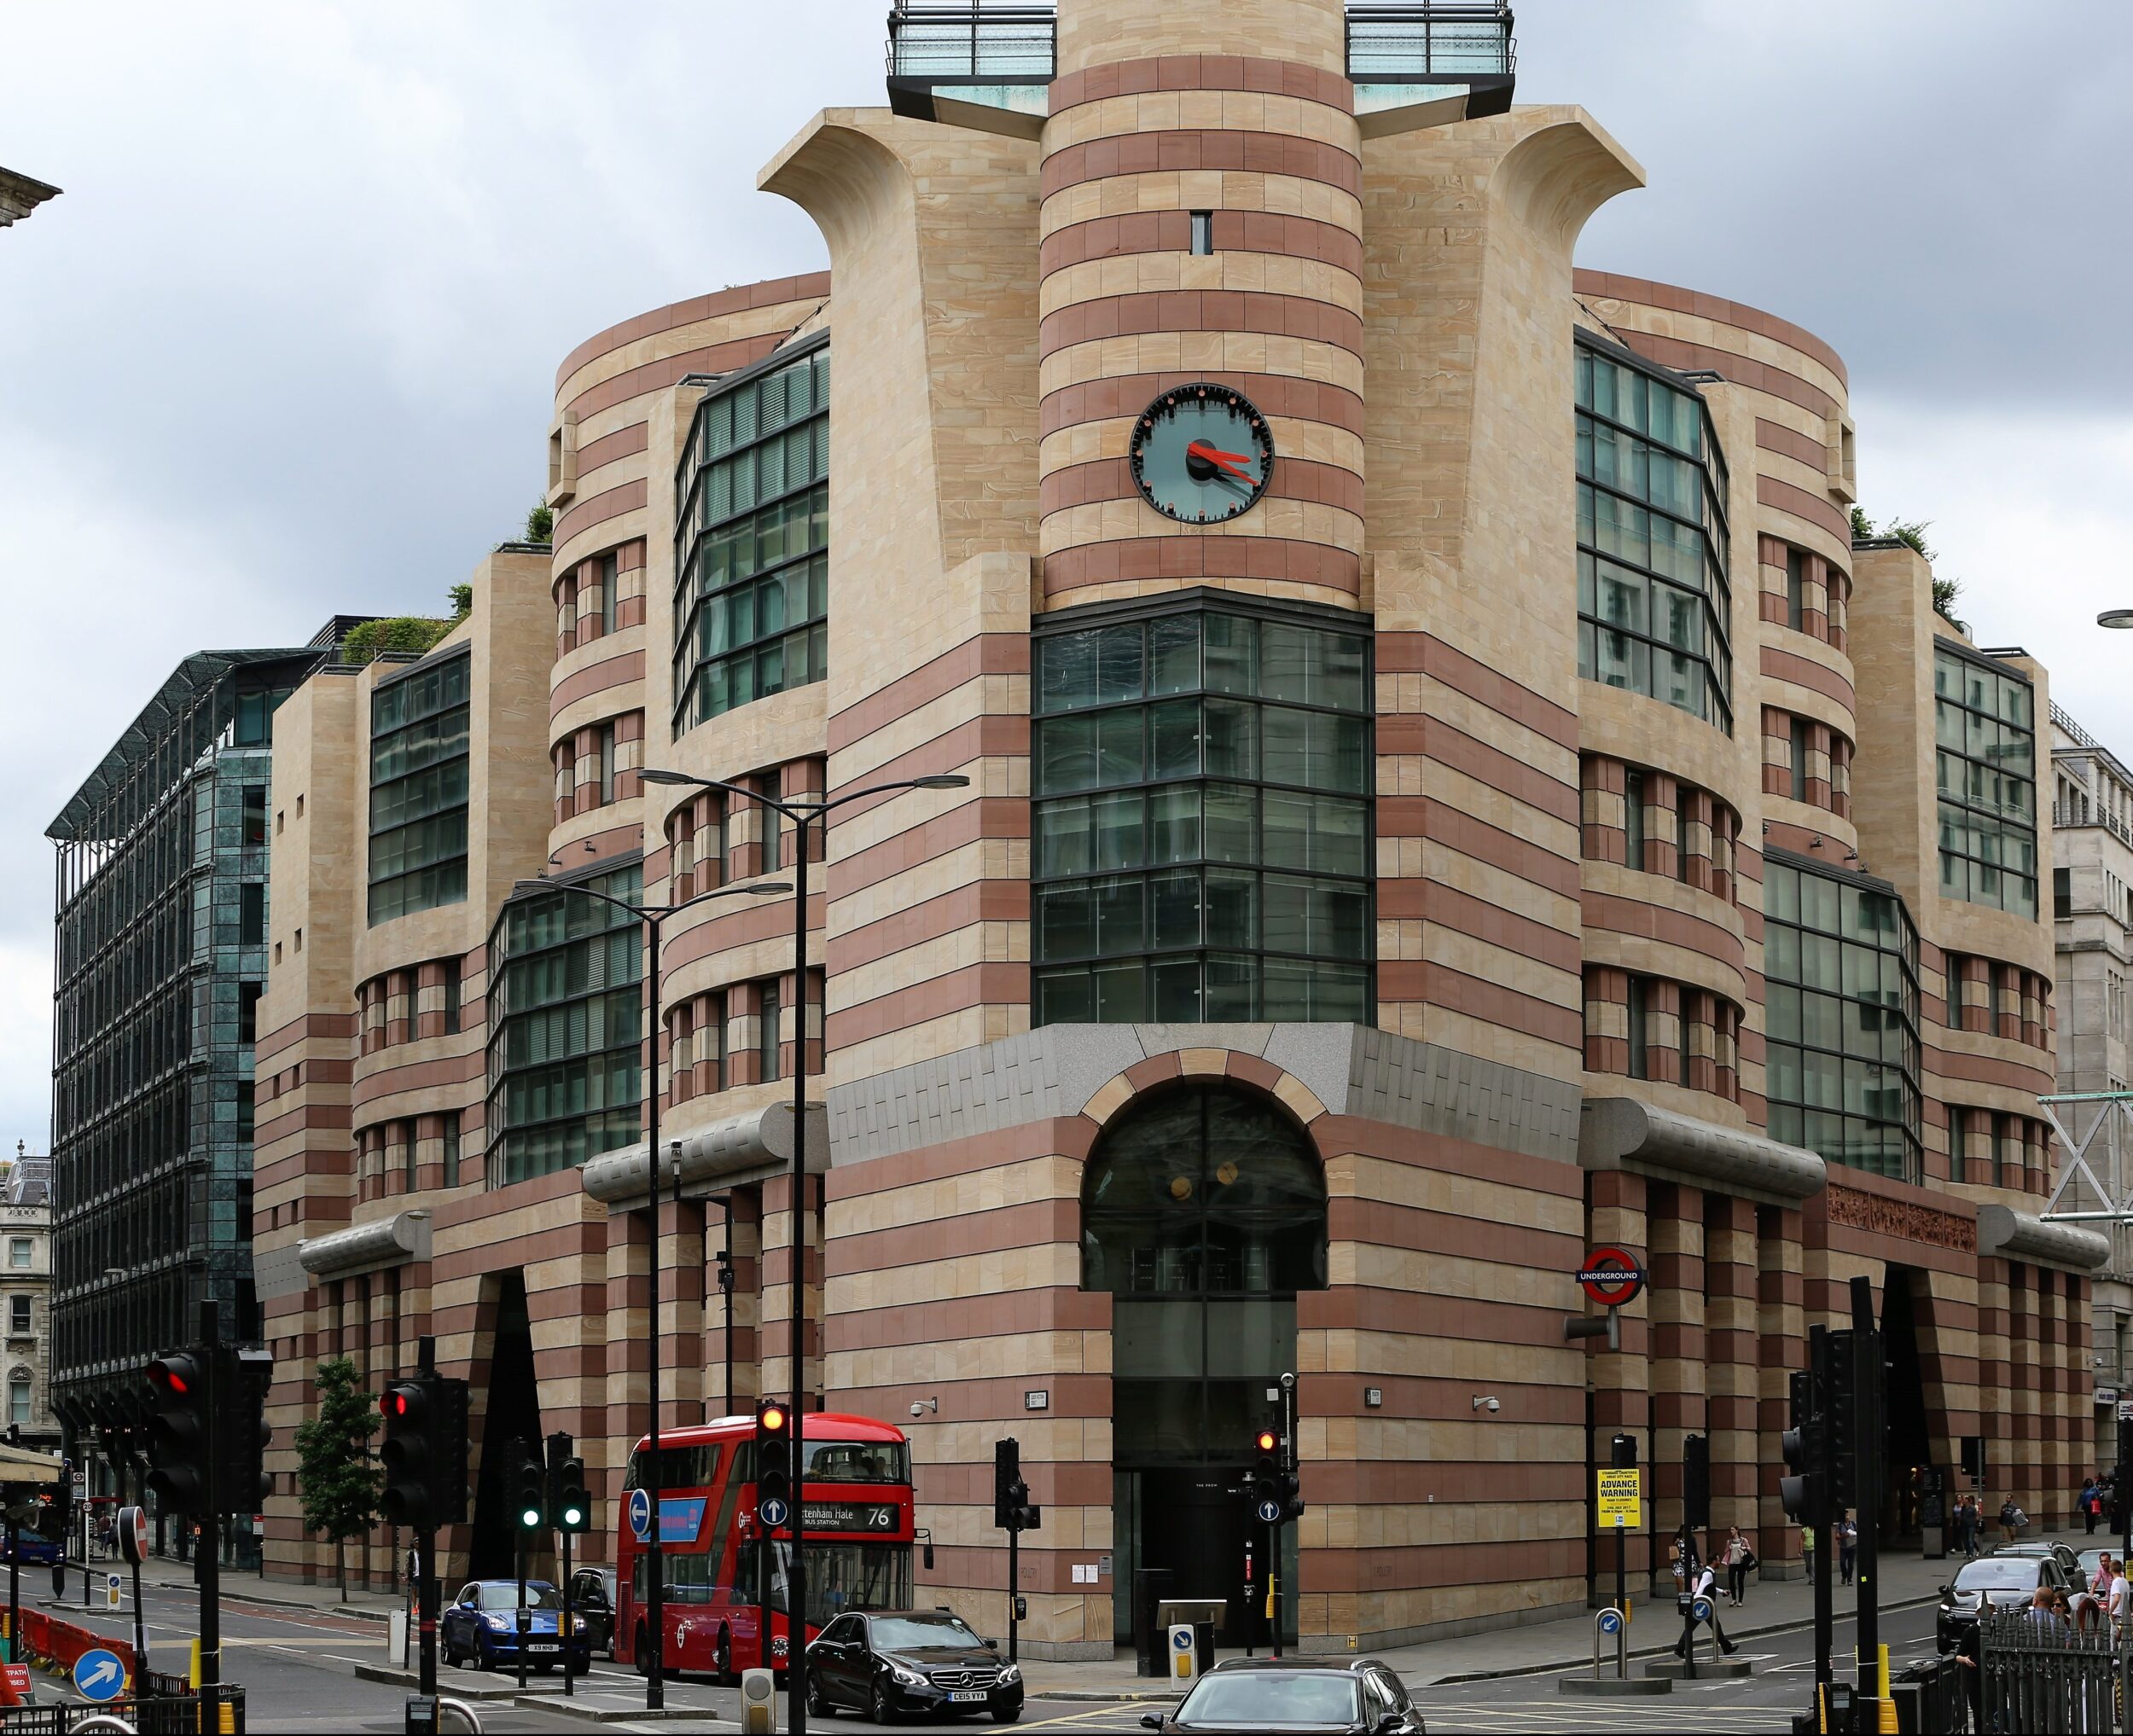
{"x": 1445, "y": 791}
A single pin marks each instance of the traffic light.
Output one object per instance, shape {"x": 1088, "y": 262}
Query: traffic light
{"x": 773, "y": 1453}
{"x": 180, "y": 1471}
{"x": 533, "y": 1508}
{"x": 568, "y": 1504}
{"x": 243, "y": 1377}
{"x": 409, "y": 1453}
{"x": 1801, "y": 1444}
{"x": 1288, "y": 1490}
{"x": 1840, "y": 1414}
{"x": 1266, "y": 1469}
{"x": 1011, "y": 1507}
{"x": 1695, "y": 1482}
{"x": 448, "y": 1452}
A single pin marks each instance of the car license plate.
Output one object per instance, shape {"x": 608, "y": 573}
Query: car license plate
{"x": 968, "y": 1697}
{"x": 540, "y": 1646}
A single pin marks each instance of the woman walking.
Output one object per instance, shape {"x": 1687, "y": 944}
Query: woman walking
{"x": 1738, "y": 1558}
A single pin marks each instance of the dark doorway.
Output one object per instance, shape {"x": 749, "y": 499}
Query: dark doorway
{"x": 1195, "y": 1525}
{"x": 1909, "y": 1442}
{"x": 1203, "y": 1214}
{"x": 510, "y": 1411}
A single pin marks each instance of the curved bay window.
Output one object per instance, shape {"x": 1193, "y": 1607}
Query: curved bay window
{"x": 1202, "y": 772}
{"x": 1840, "y": 974}
{"x": 567, "y": 1013}
{"x": 1654, "y": 608}
{"x": 751, "y": 542}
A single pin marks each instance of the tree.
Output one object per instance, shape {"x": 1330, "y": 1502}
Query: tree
{"x": 334, "y": 1477}
{"x": 416, "y": 633}
{"x": 463, "y": 596}
{"x": 540, "y": 524}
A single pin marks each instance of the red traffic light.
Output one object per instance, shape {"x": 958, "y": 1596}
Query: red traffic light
{"x": 173, "y": 1375}
{"x": 1267, "y": 1440}
{"x": 395, "y": 1403}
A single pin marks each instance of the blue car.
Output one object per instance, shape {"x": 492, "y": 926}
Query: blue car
{"x": 481, "y": 1628}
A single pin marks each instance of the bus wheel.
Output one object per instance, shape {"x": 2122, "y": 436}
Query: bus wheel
{"x": 722, "y": 1658}
{"x": 643, "y": 1655}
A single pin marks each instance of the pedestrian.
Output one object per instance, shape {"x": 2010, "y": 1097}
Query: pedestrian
{"x": 1847, "y": 1546}
{"x": 2041, "y": 1609}
{"x": 1807, "y": 1548}
{"x": 2012, "y": 1522}
{"x": 1738, "y": 1558}
{"x": 1704, "y": 1583}
{"x": 1970, "y": 1647}
{"x": 2115, "y": 1598}
{"x": 2085, "y": 1505}
{"x": 1973, "y": 1530}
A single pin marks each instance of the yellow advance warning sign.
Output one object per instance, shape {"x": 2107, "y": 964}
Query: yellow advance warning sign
{"x": 1621, "y": 1500}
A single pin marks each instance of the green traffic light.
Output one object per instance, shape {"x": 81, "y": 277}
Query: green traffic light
{"x": 531, "y": 1518}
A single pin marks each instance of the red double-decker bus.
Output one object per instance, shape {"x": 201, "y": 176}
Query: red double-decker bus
{"x": 727, "y": 1601}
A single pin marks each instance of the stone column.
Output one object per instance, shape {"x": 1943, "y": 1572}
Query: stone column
{"x": 1677, "y": 1231}
{"x": 1731, "y": 1357}
{"x": 1781, "y": 1329}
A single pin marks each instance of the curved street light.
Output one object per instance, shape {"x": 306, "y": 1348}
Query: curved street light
{"x": 800, "y": 816}
{"x": 652, "y": 916}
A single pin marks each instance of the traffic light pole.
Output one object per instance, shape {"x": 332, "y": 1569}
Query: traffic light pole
{"x": 1818, "y": 1511}
{"x": 211, "y": 1522}
{"x": 425, "y": 1557}
{"x": 1866, "y": 1373}
{"x": 570, "y": 1675}
{"x": 1015, "y": 1589}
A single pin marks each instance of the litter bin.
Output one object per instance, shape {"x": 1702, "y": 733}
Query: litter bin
{"x": 1151, "y": 1586}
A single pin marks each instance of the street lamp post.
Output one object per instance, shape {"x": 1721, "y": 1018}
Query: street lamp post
{"x": 800, "y": 816}
{"x": 652, "y": 916}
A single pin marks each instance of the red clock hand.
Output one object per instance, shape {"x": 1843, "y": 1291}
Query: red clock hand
{"x": 1231, "y": 462}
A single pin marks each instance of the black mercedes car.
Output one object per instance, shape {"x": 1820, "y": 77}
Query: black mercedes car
{"x": 592, "y": 1606}
{"x": 910, "y": 1663}
{"x": 2005, "y": 1582}
{"x": 1254, "y": 1696}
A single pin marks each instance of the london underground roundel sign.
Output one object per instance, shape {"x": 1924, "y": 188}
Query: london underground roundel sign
{"x": 1611, "y": 1277}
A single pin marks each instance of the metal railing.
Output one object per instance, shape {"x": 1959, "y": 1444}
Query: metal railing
{"x": 1416, "y": 43}
{"x": 2040, "y": 1675}
{"x": 971, "y": 44}
{"x": 2066, "y": 816}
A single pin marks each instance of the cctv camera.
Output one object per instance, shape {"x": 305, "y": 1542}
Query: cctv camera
{"x": 1496, "y": 1404}
{"x": 918, "y": 1410}
{"x": 1289, "y": 1383}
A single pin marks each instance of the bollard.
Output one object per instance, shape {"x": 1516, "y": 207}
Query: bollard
{"x": 1608, "y": 1624}
{"x": 1184, "y": 1653}
{"x": 759, "y": 1702}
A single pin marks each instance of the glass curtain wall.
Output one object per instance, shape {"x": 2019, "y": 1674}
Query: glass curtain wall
{"x": 418, "y": 789}
{"x": 1984, "y": 734}
{"x": 1203, "y": 839}
{"x": 1840, "y": 969}
{"x": 1654, "y": 607}
{"x": 567, "y": 1002}
{"x": 752, "y": 546}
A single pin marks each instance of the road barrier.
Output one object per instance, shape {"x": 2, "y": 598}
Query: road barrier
{"x": 2040, "y": 1675}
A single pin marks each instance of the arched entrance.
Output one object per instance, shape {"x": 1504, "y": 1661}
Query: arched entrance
{"x": 1203, "y": 1214}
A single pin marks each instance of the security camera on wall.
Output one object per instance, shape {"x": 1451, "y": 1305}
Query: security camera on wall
{"x": 918, "y": 1410}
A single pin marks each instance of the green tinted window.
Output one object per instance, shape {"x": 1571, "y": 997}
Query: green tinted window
{"x": 1654, "y": 608}
{"x": 418, "y": 789}
{"x": 752, "y": 546}
{"x": 1840, "y": 972}
{"x": 567, "y": 1009}
{"x": 1984, "y": 734}
{"x": 1202, "y": 847}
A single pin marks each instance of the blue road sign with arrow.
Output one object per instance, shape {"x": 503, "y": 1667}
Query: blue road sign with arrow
{"x": 1610, "y": 1622}
{"x": 641, "y": 1514}
{"x": 100, "y": 1674}
{"x": 773, "y": 1512}
{"x": 1700, "y": 1609}
{"x": 1270, "y": 1510}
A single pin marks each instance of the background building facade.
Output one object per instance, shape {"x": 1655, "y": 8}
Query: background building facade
{"x": 161, "y": 959}
{"x": 26, "y": 1225}
{"x": 1534, "y": 823}
{"x": 2092, "y": 899}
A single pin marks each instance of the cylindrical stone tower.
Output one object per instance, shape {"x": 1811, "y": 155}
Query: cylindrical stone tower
{"x": 1201, "y": 224}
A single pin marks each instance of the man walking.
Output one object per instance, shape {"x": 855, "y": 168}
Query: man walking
{"x": 1847, "y": 1546}
{"x": 1703, "y": 1583}
{"x": 1807, "y": 1548}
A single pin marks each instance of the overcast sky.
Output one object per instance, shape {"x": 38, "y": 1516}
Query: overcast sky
{"x": 285, "y": 345}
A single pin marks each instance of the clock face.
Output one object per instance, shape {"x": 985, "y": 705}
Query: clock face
{"x": 1202, "y": 454}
